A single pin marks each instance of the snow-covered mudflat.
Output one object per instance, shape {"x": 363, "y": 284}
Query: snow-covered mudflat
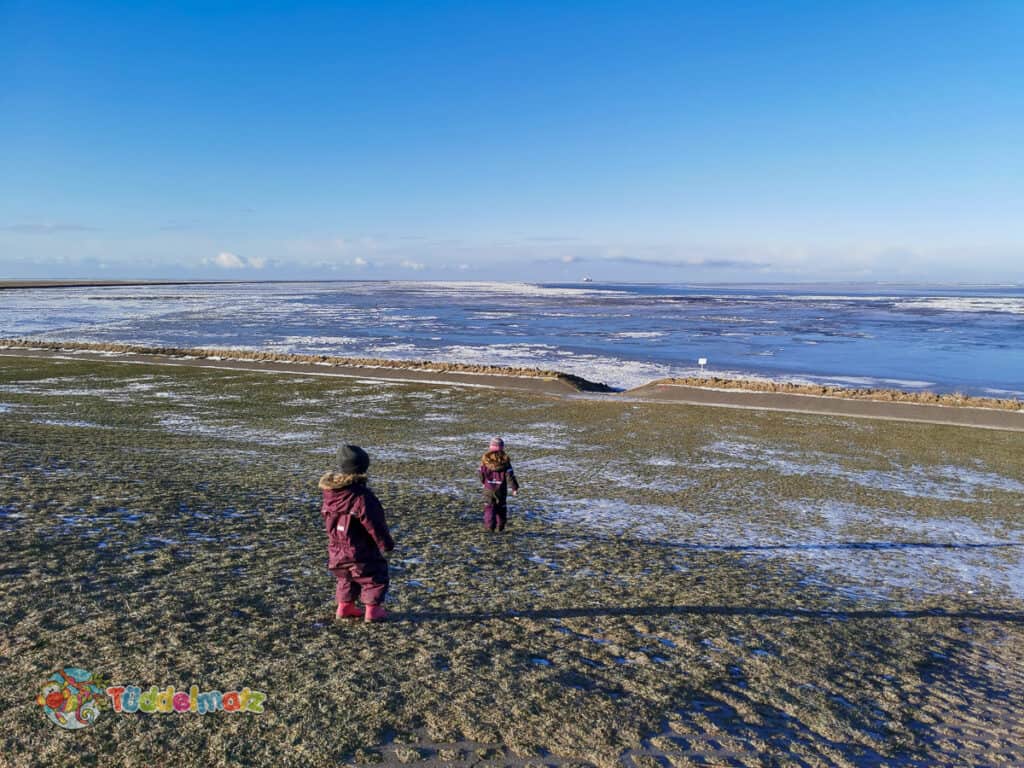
{"x": 956, "y": 338}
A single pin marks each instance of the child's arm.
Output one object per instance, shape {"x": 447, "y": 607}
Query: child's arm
{"x": 328, "y": 524}
{"x": 371, "y": 515}
{"x": 513, "y": 484}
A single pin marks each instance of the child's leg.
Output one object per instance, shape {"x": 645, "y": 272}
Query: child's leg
{"x": 346, "y": 590}
{"x": 373, "y": 581}
{"x": 501, "y": 516}
{"x": 489, "y": 520}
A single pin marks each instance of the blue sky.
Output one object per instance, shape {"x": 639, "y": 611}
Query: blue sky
{"x": 682, "y": 142}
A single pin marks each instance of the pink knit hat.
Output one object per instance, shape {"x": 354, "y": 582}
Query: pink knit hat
{"x": 497, "y": 444}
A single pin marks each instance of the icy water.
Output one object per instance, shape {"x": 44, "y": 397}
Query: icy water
{"x": 945, "y": 339}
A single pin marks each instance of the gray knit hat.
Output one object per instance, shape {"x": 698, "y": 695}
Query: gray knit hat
{"x": 352, "y": 460}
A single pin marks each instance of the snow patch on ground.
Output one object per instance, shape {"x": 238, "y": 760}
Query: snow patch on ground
{"x": 69, "y": 423}
{"x": 190, "y": 425}
{"x": 867, "y": 551}
{"x": 662, "y": 461}
{"x": 618, "y": 517}
{"x": 925, "y": 554}
{"x": 947, "y": 482}
{"x": 546, "y": 436}
{"x": 542, "y": 464}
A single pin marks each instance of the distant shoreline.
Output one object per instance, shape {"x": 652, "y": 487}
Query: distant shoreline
{"x": 950, "y": 410}
{"x": 76, "y": 282}
{"x": 19, "y": 284}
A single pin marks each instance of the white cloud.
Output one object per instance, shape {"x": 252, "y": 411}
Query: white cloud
{"x": 359, "y": 261}
{"x": 228, "y": 260}
{"x": 414, "y": 265}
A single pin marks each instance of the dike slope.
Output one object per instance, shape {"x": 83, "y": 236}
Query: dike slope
{"x": 958, "y": 410}
{"x": 533, "y": 379}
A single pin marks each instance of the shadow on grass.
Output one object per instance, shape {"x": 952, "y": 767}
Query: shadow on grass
{"x": 836, "y": 545}
{"x": 1006, "y": 617}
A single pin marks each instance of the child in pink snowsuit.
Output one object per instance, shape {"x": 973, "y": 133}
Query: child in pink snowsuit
{"x": 357, "y": 535}
{"x": 497, "y": 477}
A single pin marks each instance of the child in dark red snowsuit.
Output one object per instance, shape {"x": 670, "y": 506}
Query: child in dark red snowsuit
{"x": 497, "y": 477}
{"x": 357, "y": 534}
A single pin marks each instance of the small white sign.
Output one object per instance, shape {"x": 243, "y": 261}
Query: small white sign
{"x": 702, "y": 361}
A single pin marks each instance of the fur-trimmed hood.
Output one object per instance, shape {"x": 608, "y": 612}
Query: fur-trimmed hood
{"x": 496, "y": 460}
{"x": 335, "y": 481}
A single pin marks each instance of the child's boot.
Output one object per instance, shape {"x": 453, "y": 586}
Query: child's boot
{"x": 348, "y": 611}
{"x": 375, "y": 613}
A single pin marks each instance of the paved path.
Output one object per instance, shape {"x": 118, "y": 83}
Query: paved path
{"x": 988, "y": 418}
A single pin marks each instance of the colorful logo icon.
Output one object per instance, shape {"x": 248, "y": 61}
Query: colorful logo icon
{"x": 73, "y": 697}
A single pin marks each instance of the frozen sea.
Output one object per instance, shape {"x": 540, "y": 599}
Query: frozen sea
{"x": 946, "y": 338}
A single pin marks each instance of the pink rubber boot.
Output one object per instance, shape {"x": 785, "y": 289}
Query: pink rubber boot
{"x": 375, "y": 613}
{"x": 348, "y": 611}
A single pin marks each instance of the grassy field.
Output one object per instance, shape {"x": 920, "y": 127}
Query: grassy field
{"x": 677, "y": 586}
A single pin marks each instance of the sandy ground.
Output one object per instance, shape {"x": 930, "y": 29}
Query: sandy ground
{"x": 679, "y": 585}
